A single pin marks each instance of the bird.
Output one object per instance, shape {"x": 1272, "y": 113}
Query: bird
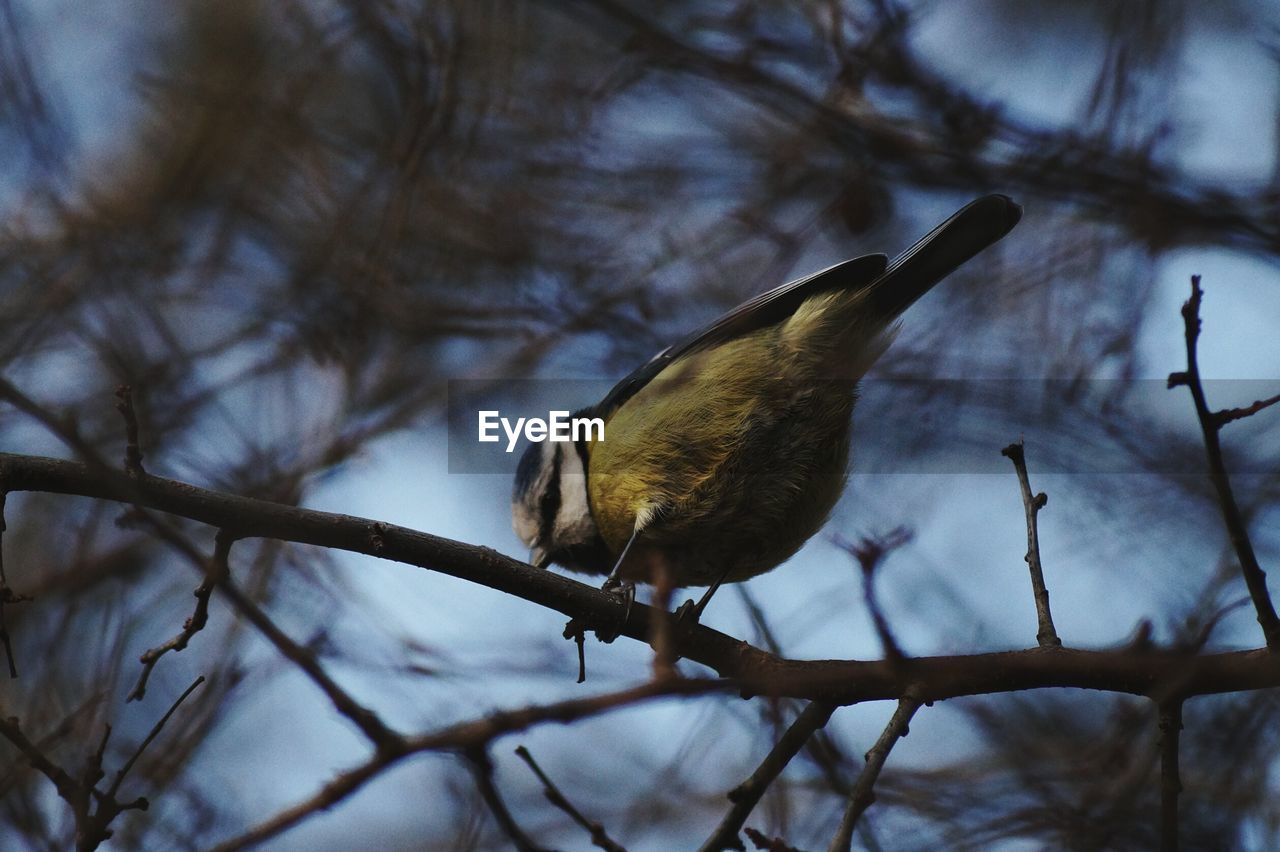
{"x": 724, "y": 453}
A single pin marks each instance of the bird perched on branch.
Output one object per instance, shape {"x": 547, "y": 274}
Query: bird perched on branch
{"x": 726, "y": 452}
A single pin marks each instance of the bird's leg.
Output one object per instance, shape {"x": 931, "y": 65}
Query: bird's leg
{"x": 624, "y": 590}
{"x": 690, "y": 613}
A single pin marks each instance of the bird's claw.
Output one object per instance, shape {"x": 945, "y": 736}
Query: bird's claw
{"x": 625, "y": 592}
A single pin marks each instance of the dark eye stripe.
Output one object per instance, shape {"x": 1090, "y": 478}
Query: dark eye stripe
{"x": 550, "y": 504}
{"x": 581, "y": 448}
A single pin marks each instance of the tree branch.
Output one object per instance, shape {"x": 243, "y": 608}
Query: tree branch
{"x": 747, "y": 794}
{"x": 1127, "y": 670}
{"x": 864, "y": 790}
{"x": 92, "y": 809}
{"x": 482, "y": 772}
{"x": 217, "y": 571}
{"x": 1255, "y": 579}
{"x": 151, "y": 735}
{"x": 1046, "y": 635}
{"x": 464, "y": 736}
{"x": 1170, "y": 781}
{"x": 599, "y": 837}
{"x": 7, "y": 595}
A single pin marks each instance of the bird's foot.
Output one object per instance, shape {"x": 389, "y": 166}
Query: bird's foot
{"x": 625, "y": 592}
{"x": 689, "y": 615}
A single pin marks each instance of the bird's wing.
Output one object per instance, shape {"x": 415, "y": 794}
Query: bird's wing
{"x": 764, "y": 310}
{"x": 891, "y": 287}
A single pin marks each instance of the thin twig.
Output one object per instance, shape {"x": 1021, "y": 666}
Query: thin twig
{"x": 193, "y": 625}
{"x": 151, "y": 735}
{"x": 1255, "y": 579}
{"x": 766, "y": 843}
{"x": 482, "y": 772}
{"x": 62, "y": 428}
{"x": 218, "y": 571}
{"x": 599, "y": 837}
{"x": 864, "y": 789}
{"x": 1046, "y": 635}
{"x": 468, "y": 735}
{"x": 93, "y": 766}
{"x": 1170, "y": 779}
{"x": 190, "y": 627}
{"x": 92, "y": 809}
{"x": 132, "y": 449}
{"x": 747, "y": 794}
{"x": 62, "y": 781}
{"x": 821, "y": 749}
{"x": 870, "y": 552}
{"x": 1229, "y": 415}
{"x": 7, "y": 595}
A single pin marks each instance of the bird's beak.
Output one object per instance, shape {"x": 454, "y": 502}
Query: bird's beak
{"x": 539, "y": 558}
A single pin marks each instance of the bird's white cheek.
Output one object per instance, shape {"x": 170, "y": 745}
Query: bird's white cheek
{"x": 573, "y": 521}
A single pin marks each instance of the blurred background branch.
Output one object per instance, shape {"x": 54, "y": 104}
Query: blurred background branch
{"x": 286, "y": 226}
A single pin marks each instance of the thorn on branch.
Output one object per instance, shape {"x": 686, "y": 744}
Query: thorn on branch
{"x": 599, "y": 837}
{"x": 133, "y": 449}
{"x": 1046, "y": 634}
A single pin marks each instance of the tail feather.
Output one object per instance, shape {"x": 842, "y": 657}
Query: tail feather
{"x": 940, "y": 252}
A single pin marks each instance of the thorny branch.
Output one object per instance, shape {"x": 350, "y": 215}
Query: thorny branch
{"x": 1085, "y": 170}
{"x": 1170, "y": 676}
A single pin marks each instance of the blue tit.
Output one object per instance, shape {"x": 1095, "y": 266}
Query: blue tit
{"x": 726, "y": 452}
